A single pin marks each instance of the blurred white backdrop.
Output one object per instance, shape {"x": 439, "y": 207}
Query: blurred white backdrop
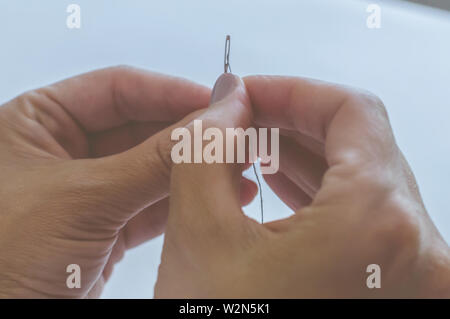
{"x": 406, "y": 62}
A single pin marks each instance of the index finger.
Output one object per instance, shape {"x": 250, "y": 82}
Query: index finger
{"x": 111, "y": 97}
{"x": 352, "y": 124}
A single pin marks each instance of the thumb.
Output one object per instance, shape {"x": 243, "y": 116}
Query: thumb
{"x": 204, "y": 196}
{"x": 121, "y": 185}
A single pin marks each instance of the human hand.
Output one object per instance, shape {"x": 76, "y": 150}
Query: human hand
{"x": 355, "y": 198}
{"x": 85, "y": 176}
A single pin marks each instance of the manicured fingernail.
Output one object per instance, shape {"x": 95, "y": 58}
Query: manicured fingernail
{"x": 225, "y": 84}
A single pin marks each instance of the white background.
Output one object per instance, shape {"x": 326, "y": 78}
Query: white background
{"x": 406, "y": 63}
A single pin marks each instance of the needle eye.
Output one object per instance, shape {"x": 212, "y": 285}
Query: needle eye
{"x": 226, "y": 63}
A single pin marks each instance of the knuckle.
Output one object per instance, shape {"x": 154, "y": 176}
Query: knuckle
{"x": 26, "y": 103}
{"x": 163, "y": 150}
{"x": 118, "y": 79}
{"x": 367, "y": 102}
{"x": 399, "y": 229}
{"x": 24, "y": 113}
{"x": 34, "y": 104}
{"x": 374, "y": 101}
{"x": 405, "y": 227}
{"x": 122, "y": 79}
{"x": 373, "y": 185}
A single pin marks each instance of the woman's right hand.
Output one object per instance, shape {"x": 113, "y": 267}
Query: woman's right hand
{"x": 341, "y": 171}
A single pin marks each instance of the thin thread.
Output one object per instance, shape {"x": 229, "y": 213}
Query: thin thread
{"x": 227, "y": 67}
{"x": 261, "y": 203}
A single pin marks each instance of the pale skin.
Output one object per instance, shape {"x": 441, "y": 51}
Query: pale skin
{"x": 355, "y": 199}
{"x": 87, "y": 174}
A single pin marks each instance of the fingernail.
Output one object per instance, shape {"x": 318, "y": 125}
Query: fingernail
{"x": 225, "y": 84}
